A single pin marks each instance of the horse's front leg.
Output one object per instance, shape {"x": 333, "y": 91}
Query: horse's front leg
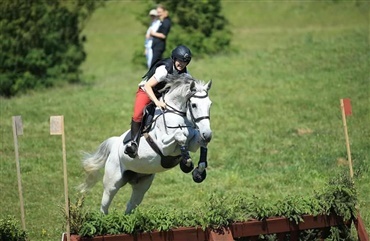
{"x": 200, "y": 173}
{"x": 186, "y": 164}
{"x": 179, "y": 137}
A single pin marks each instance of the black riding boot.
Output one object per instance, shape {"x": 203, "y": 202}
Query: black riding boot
{"x": 131, "y": 148}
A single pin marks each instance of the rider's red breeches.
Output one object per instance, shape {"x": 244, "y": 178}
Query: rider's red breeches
{"x": 142, "y": 99}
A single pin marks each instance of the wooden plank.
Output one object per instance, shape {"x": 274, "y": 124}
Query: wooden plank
{"x": 281, "y": 236}
{"x": 282, "y": 225}
{"x": 294, "y": 236}
{"x": 252, "y": 229}
{"x": 223, "y": 234}
{"x": 18, "y": 130}
{"x": 360, "y": 227}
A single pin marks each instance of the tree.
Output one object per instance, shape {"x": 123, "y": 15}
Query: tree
{"x": 200, "y": 25}
{"x": 196, "y": 24}
{"x": 41, "y": 43}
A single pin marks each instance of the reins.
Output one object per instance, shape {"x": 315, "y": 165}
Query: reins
{"x": 195, "y": 120}
{"x": 174, "y": 111}
{"x": 182, "y": 113}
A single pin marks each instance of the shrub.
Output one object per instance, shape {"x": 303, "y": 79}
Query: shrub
{"x": 338, "y": 197}
{"x": 10, "y": 230}
{"x": 197, "y": 24}
{"x": 41, "y": 43}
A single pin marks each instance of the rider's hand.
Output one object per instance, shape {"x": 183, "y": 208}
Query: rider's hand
{"x": 161, "y": 105}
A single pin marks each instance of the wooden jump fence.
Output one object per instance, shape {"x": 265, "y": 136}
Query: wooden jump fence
{"x": 282, "y": 227}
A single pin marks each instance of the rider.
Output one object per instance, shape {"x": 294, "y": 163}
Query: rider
{"x": 149, "y": 92}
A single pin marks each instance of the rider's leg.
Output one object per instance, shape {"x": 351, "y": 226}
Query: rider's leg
{"x": 132, "y": 148}
{"x": 141, "y": 101}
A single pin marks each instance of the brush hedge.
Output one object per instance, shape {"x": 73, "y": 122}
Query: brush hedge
{"x": 338, "y": 197}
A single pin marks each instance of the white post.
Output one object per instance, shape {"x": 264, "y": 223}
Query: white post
{"x": 18, "y": 131}
{"x": 347, "y": 137}
{"x": 57, "y": 128}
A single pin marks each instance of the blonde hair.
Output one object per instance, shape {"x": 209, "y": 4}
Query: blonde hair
{"x": 160, "y": 5}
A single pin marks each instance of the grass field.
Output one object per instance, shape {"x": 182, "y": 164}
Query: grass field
{"x": 275, "y": 116}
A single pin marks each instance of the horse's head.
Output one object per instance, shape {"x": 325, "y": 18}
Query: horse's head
{"x": 190, "y": 96}
{"x": 198, "y": 108}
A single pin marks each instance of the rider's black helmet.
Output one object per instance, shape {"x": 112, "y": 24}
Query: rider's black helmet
{"x": 181, "y": 53}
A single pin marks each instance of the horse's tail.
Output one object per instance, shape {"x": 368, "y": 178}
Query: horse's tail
{"x": 92, "y": 163}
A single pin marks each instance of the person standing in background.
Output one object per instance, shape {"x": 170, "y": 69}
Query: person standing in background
{"x": 154, "y": 24}
{"x": 160, "y": 36}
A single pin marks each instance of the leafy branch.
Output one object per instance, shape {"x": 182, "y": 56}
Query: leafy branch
{"x": 338, "y": 197}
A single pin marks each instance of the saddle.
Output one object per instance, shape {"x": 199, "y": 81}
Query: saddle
{"x": 148, "y": 119}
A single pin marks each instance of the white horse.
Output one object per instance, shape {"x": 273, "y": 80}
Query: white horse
{"x": 184, "y": 126}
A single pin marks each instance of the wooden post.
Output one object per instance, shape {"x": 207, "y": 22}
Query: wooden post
{"x": 57, "y": 128}
{"x": 360, "y": 227}
{"x": 223, "y": 234}
{"x": 18, "y": 131}
{"x": 344, "y": 113}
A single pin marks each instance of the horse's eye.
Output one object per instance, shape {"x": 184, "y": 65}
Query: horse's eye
{"x": 193, "y": 105}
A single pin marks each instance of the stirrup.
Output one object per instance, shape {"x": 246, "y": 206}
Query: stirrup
{"x": 131, "y": 150}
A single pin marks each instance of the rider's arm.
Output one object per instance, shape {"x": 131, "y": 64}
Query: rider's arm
{"x": 148, "y": 87}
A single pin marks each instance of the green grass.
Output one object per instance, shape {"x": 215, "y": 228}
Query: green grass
{"x": 295, "y": 61}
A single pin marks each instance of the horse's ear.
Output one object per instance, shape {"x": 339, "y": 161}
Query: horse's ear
{"x": 208, "y": 85}
{"x": 192, "y": 86}
{"x": 192, "y": 89}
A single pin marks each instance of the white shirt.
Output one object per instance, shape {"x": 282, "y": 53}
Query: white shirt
{"x": 153, "y": 26}
{"x": 159, "y": 73}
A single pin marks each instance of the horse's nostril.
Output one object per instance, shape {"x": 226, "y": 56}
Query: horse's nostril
{"x": 207, "y": 137}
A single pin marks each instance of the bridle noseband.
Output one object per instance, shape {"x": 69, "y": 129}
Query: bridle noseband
{"x": 188, "y": 103}
{"x": 194, "y": 120}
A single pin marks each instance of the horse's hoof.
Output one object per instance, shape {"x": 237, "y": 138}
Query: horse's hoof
{"x": 199, "y": 177}
{"x": 185, "y": 168}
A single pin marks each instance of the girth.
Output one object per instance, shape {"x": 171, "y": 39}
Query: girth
{"x": 166, "y": 161}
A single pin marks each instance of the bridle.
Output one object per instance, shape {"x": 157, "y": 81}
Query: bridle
{"x": 188, "y": 105}
{"x": 194, "y": 120}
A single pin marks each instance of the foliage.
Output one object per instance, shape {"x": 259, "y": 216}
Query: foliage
{"x": 41, "y": 43}
{"x": 339, "y": 197}
{"x": 10, "y": 230}
{"x": 77, "y": 214}
{"x": 296, "y": 60}
{"x": 199, "y": 25}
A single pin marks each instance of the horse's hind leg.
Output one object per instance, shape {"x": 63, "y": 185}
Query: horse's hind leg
{"x": 140, "y": 186}
{"x": 112, "y": 182}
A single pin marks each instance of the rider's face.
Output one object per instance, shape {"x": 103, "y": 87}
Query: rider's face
{"x": 161, "y": 13}
{"x": 179, "y": 65}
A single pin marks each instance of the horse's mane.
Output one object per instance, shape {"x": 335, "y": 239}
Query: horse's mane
{"x": 180, "y": 84}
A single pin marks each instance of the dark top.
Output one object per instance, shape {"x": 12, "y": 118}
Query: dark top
{"x": 168, "y": 62}
{"x": 164, "y": 28}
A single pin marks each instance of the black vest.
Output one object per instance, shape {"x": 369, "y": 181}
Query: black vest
{"x": 169, "y": 65}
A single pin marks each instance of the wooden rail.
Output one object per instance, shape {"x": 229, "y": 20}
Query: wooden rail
{"x": 252, "y": 229}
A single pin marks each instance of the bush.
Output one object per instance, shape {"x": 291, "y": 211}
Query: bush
{"x": 197, "y": 24}
{"x": 41, "y": 43}
{"x": 338, "y": 197}
{"x": 10, "y": 230}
